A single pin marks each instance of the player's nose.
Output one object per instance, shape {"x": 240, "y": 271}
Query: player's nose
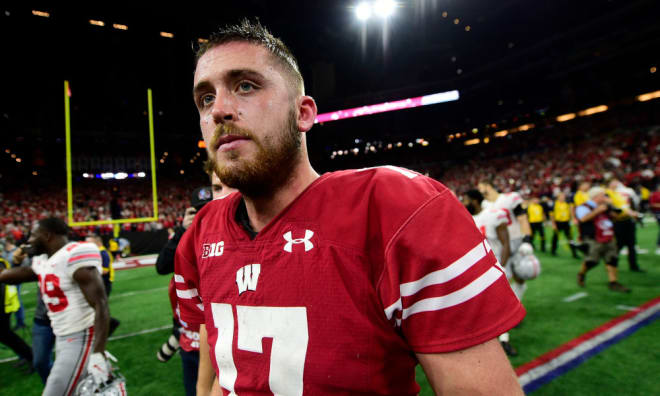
{"x": 223, "y": 110}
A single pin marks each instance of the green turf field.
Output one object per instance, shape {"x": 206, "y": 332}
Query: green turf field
{"x": 139, "y": 299}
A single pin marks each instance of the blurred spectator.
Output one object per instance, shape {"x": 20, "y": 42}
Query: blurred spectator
{"x": 10, "y": 248}
{"x": 536, "y": 216}
{"x": 625, "y": 230}
{"x": 9, "y": 300}
{"x": 596, "y": 229}
{"x": 654, "y": 201}
{"x": 561, "y": 222}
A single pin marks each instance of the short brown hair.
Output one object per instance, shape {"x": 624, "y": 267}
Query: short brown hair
{"x": 255, "y": 33}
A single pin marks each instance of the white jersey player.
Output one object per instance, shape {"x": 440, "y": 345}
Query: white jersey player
{"x": 69, "y": 276}
{"x": 68, "y": 310}
{"x": 493, "y": 224}
{"x": 488, "y": 221}
{"x": 519, "y": 229}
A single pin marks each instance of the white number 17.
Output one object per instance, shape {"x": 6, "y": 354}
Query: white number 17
{"x": 287, "y": 326}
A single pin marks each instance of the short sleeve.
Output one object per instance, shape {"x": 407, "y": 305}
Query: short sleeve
{"x": 105, "y": 259}
{"x": 442, "y": 286}
{"x": 82, "y": 255}
{"x": 501, "y": 217}
{"x": 186, "y": 281}
{"x": 581, "y": 211}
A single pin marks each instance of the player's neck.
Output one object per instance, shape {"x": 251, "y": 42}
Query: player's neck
{"x": 56, "y": 245}
{"x": 492, "y": 196}
{"x": 261, "y": 210}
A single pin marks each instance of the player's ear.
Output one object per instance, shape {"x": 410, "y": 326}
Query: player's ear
{"x": 306, "y": 113}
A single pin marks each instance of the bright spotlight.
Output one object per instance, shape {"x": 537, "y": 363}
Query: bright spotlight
{"x": 384, "y": 8}
{"x": 363, "y": 11}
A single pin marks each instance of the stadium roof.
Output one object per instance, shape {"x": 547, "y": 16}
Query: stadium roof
{"x": 508, "y": 59}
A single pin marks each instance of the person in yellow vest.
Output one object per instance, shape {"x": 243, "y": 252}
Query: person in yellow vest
{"x": 644, "y": 194}
{"x": 536, "y": 217}
{"x": 114, "y": 247}
{"x": 10, "y": 304}
{"x": 625, "y": 231}
{"x": 108, "y": 274}
{"x": 581, "y": 196}
{"x": 561, "y": 222}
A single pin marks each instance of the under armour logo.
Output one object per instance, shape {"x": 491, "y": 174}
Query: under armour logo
{"x": 247, "y": 277}
{"x": 213, "y": 249}
{"x": 306, "y": 240}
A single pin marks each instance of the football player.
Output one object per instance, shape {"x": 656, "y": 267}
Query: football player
{"x": 493, "y": 224}
{"x": 69, "y": 276}
{"x": 518, "y": 226}
{"x": 333, "y": 284}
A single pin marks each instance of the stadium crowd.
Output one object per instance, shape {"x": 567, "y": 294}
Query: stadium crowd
{"x": 21, "y": 208}
{"x": 558, "y": 165}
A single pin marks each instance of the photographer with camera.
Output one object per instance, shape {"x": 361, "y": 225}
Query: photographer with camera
{"x": 625, "y": 231}
{"x": 597, "y": 231}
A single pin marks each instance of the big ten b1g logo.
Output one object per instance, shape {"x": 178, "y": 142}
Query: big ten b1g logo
{"x": 213, "y": 249}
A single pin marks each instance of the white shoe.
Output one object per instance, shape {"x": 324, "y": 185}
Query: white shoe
{"x": 624, "y": 251}
{"x": 640, "y": 250}
{"x": 657, "y": 251}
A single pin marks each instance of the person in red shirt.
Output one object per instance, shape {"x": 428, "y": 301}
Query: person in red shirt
{"x": 654, "y": 202}
{"x": 332, "y": 284}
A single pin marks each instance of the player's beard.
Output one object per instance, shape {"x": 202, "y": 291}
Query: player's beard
{"x": 270, "y": 167}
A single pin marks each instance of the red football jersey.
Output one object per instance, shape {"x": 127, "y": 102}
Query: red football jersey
{"x": 341, "y": 289}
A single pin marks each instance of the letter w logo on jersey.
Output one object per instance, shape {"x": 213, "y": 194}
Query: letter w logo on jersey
{"x": 306, "y": 240}
{"x": 247, "y": 278}
{"x": 213, "y": 249}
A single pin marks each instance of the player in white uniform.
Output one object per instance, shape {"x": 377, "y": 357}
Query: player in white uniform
{"x": 518, "y": 227}
{"x": 493, "y": 224}
{"x": 69, "y": 276}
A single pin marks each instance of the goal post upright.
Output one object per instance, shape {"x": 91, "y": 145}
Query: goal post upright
{"x": 69, "y": 178}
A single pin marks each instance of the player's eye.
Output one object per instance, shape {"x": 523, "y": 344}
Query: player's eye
{"x": 245, "y": 86}
{"x": 206, "y": 100}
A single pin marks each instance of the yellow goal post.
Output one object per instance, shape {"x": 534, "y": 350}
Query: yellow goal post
{"x": 69, "y": 182}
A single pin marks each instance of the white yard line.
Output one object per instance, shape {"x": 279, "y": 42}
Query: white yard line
{"x": 146, "y": 331}
{"x": 119, "y": 337}
{"x": 114, "y": 296}
{"x": 575, "y": 296}
{"x": 627, "y": 308}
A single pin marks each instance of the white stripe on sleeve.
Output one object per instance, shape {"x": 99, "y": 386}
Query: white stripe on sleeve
{"x": 190, "y": 293}
{"x": 446, "y": 274}
{"x": 389, "y": 311}
{"x": 179, "y": 279}
{"x": 459, "y": 296}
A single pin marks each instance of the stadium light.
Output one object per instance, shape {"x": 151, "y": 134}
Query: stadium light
{"x": 592, "y": 110}
{"x": 471, "y": 142}
{"x": 166, "y": 34}
{"x": 119, "y": 26}
{"x": 384, "y": 8}
{"x": 107, "y": 175}
{"x": 121, "y": 175}
{"x": 363, "y": 11}
{"x": 96, "y": 23}
{"x": 388, "y": 106}
{"x": 566, "y": 117}
{"x": 648, "y": 96}
{"x": 40, "y": 13}
{"x": 141, "y": 174}
{"x": 501, "y": 133}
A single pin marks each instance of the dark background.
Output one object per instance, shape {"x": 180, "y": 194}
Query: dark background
{"x": 521, "y": 61}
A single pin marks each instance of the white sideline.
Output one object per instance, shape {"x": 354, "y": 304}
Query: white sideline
{"x": 119, "y": 337}
{"x": 146, "y": 331}
{"x": 114, "y": 296}
{"x": 575, "y": 296}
